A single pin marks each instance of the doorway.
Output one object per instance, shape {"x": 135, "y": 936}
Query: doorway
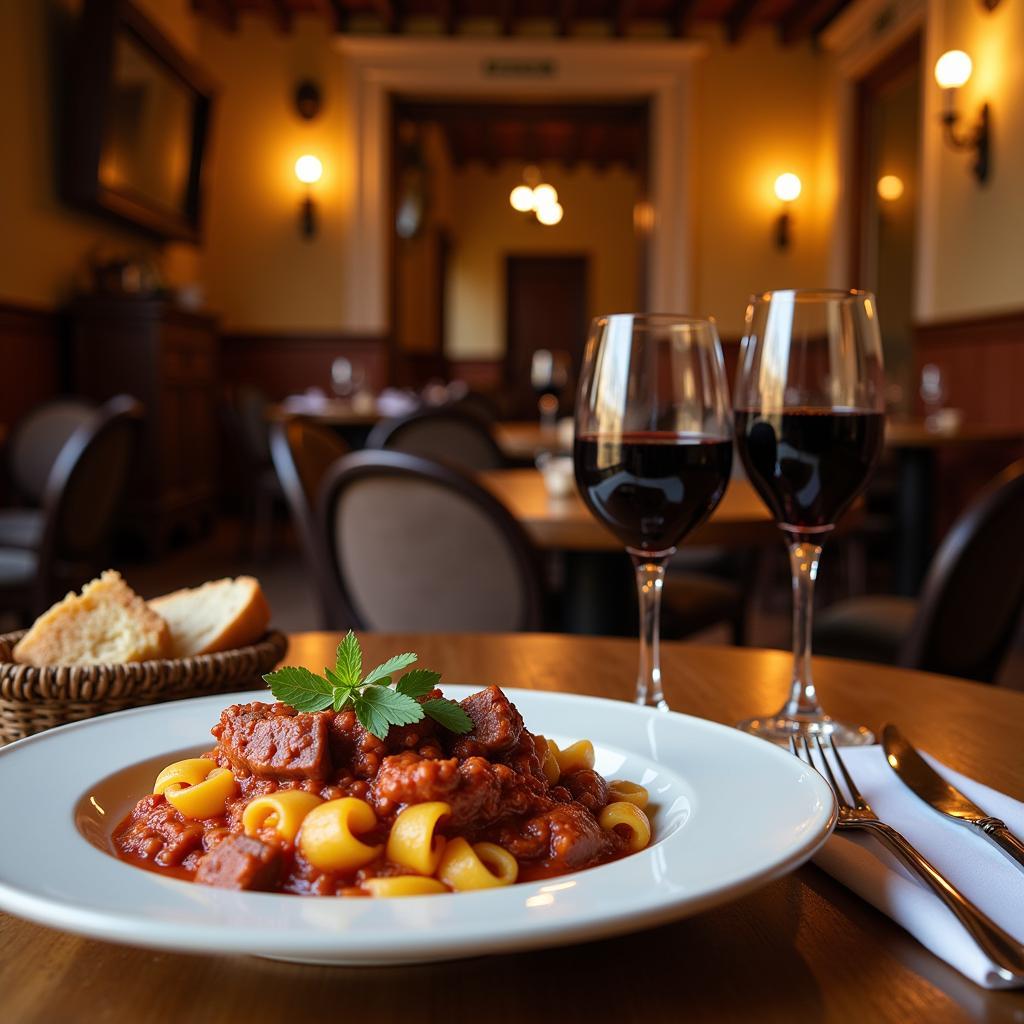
{"x": 546, "y": 308}
{"x": 887, "y": 187}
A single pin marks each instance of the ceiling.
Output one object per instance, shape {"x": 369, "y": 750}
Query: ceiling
{"x": 793, "y": 19}
{"x": 596, "y": 134}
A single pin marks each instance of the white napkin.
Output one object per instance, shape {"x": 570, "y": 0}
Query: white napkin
{"x": 980, "y": 871}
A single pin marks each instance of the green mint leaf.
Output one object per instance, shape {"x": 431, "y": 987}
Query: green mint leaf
{"x": 302, "y": 689}
{"x": 449, "y": 714}
{"x": 388, "y": 669}
{"x": 349, "y": 662}
{"x": 342, "y": 695}
{"x": 339, "y": 682}
{"x": 418, "y": 683}
{"x": 379, "y": 708}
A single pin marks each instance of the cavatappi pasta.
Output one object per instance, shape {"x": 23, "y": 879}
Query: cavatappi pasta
{"x": 311, "y": 803}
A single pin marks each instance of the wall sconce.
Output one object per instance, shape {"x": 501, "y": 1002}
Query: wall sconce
{"x": 787, "y": 189}
{"x": 308, "y": 170}
{"x": 952, "y": 70}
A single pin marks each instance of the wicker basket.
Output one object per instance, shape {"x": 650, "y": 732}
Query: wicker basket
{"x": 33, "y": 699}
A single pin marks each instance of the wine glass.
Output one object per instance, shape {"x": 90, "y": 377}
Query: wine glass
{"x": 653, "y": 448}
{"x": 810, "y": 422}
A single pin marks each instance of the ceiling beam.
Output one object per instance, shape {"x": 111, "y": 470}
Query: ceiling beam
{"x": 808, "y": 18}
{"x": 623, "y": 12}
{"x": 280, "y": 14}
{"x": 335, "y": 13}
{"x": 389, "y": 14}
{"x": 681, "y": 17}
{"x": 507, "y": 17}
{"x": 449, "y": 16}
{"x": 564, "y": 18}
{"x": 738, "y": 18}
{"x": 222, "y": 12}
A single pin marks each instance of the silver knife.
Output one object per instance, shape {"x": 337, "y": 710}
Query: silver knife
{"x": 931, "y": 787}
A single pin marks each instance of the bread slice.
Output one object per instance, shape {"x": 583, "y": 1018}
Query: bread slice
{"x": 107, "y": 623}
{"x": 217, "y": 616}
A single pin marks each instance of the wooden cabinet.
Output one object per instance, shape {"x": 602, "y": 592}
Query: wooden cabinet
{"x": 168, "y": 359}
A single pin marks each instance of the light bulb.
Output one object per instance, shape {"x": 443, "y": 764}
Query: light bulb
{"x": 953, "y": 69}
{"x": 308, "y": 169}
{"x": 550, "y": 215}
{"x": 521, "y": 198}
{"x": 889, "y": 187}
{"x": 787, "y": 187}
{"x": 544, "y": 195}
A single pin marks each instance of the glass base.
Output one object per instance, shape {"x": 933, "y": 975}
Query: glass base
{"x": 781, "y": 727}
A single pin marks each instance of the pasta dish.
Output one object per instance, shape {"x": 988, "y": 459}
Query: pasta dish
{"x": 315, "y": 803}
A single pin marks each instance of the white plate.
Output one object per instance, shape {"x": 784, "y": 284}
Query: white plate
{"x": 732, "y": 813}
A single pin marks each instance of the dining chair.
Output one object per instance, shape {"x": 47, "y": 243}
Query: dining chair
{"x": 303, "y": 451}
{"x": 970, "y": 605}
{"x": 32, "y": 450}
{"x": 416, "y": 545}
{"x": 80, "y": 503}
{"x": 447, "y": 434}
{"x": 245, "y": 423}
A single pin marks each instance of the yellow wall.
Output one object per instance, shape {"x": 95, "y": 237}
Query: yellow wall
{"x": 761, "y": 109}
{"x": 45, "y": 243}
{"x": 978, "y": 251}
{"x": 598, "y": 221}
{"x": 260, "y": 273}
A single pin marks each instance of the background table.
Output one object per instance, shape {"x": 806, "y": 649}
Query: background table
{"x": 803, "y": 949}
{"x": 565, "y": 524}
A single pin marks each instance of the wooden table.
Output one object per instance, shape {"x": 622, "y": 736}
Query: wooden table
{"x": 803, "y": 949}
{"x": 566, "y": 524}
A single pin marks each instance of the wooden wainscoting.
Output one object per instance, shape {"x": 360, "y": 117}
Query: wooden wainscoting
{"x": 30, "y": 365}
{"x": 982, "y": 362}
{"x": 480, "y": 374}
{"x": 282, "y": 364}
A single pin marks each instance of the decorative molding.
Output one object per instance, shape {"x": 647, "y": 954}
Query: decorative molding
{"x": 458, "y": 68}
{"x": 1003, "y": 327}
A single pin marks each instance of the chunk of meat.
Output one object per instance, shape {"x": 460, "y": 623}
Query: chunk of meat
{"x": 566, "y": 837}
{"x": 241, "y": 862}
{"x": 155, "y": 831}
{"x": 497, "y": 725}
{"x": 274, "y": 740}
{"x": 587, "y": 788}
{"x": 478, "y": 792}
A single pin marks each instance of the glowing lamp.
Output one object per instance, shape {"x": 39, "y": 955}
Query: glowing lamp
{"x": 889, "y": 187}
{"x": 522, "y": 199}
{"x": 550, "y": 215}
{"x": 953, "y": 69}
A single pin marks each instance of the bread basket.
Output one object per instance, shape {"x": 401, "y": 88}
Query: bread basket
{"x": 36, "y": 698}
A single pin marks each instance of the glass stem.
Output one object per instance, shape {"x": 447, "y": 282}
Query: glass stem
{"x": 803, "y": 699}
{"x": 650, "y": 577}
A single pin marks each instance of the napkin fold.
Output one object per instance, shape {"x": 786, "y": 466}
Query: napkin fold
{"x": 983, "y": 874}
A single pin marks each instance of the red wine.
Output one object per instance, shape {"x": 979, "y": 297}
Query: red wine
{"x": 809, "y": 464}
{"x": 652, "y": 488}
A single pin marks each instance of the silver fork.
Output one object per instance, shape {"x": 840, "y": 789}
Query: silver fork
{"x": 1005, "y": 952}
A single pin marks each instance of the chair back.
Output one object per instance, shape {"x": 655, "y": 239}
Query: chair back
{"x": 303, "y": 452}
{"x": 447, "y": 434}
{"x": 973, "y": 596}
{"x": 419, "y": 546}
{"x": 86, "y": 485}
{"x": 248, "y": 413}
{"x": 37, "y": 440}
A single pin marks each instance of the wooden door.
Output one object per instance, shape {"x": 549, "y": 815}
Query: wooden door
{"x": 546, "y": 303}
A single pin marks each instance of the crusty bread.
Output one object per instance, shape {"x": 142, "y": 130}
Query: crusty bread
{"x": 107, "y": 623}
{"x": 217, "y": 616}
